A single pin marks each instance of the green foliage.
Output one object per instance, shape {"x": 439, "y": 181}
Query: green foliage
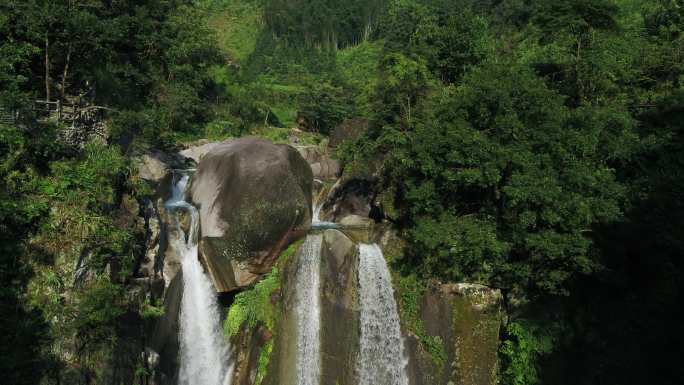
{"x": 462, "y": 248}
{"x": 533, "y": 146}
{"x": 358, "y": 70}
{"x": 99, "y": 307}
{"x": 519, "y": 352}
{"x": 254, "y": 305}
{"x": 324, "y": 106}
{"x": 66, "y": 249}
{"x": 149, "y": 310}
{"x": 450, "y": 38}
{"x": 501, "y": 183}
{"x": 516, "y": 144}
{"x": 237, "y": 24}
{"x": 316, "y": 23}
{"x": 264, "y": 359}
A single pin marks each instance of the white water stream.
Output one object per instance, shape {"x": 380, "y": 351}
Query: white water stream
{"x": 381, "y": 358}
{"x": 204, "y": 352}
{"x": 308, "y": 309}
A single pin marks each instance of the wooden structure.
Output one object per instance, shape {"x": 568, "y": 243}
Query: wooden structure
{"x": 82, "y": 123}
{"x": 8, "y": 116}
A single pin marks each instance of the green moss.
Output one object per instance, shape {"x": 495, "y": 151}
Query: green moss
{"x": 410, "y": 291}
{"x": 264, "y": 359}
{"x": 289, "y": 252}
{"x": 476, "y": 322}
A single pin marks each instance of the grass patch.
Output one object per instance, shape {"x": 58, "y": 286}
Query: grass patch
{"x": 286, "y": 114}
{"x": 237, "y": 25}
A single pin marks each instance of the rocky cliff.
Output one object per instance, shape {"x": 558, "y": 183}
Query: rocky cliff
{"x": 450, "y": 330}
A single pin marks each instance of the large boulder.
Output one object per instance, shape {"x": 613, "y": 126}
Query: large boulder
{"x": 254, "y": 198}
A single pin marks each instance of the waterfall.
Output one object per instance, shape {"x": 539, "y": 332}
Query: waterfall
{"x": 381, "y": 358}
{"x": 308, "y": 309}
{"x": 204, "y": 351}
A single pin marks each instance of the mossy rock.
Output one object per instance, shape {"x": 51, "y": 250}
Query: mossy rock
{"x": 467, "y": 318}
{"x": 254, "y": 198}
{"x": 460, "y": 322}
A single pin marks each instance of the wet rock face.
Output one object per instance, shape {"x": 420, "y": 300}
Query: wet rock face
{"x": 467, "y": 318}
{"x": 339, "y": 309}
{"x": 155, "y": 167}
{"x": 164, "y": 339}
{"x": 339, "y": 312}
{"x": 248, "y": 344}
{"x": 254, "y": 198}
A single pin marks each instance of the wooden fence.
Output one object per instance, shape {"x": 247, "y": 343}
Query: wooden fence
{"x": 8, "y": 116}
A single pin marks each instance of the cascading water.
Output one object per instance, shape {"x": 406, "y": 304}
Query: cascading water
{"x": 308, "y": 309}
{"x": 381, "y": 358}
{"x": 204, "y": 352}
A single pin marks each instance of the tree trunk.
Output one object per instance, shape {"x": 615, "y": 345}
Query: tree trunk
{"x": 65, "y": 73}
{"x": 47, "y": 67}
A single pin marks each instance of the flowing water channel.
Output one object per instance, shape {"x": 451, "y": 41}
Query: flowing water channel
{"x": 381, "y": 358}
{"x": 308, "y": 308}
{"x": 204, "y": 352}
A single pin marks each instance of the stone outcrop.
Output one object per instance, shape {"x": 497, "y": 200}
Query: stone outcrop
{"x": 357, "y": 227}
{"x": 463, "y": 318}
{"x": 349, "y": 196}
{"x": 322, "y": 165}
{"x": 339, "y": 336}
{"x": 282, "y": 367}
{"x": 197, "y": 150}
{"x": 254, "y": 198}
{"x": 466, "y": 318}
{"x": 339, "y": 309}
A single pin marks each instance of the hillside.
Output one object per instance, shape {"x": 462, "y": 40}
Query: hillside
{"x": 518, "y": 165}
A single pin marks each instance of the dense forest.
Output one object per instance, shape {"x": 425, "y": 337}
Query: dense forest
{"x": 532, "y": 146}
